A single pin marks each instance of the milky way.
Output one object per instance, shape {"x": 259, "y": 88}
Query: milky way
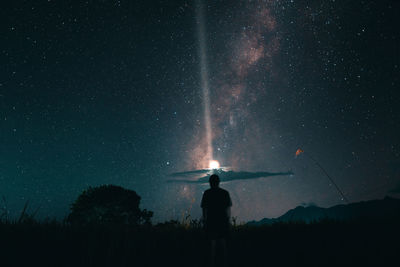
{"x": 252, "y": 51}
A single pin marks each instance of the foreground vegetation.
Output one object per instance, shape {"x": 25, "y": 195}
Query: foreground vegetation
{"x": 106, "y": 227}
{"x": 327, "y": 243}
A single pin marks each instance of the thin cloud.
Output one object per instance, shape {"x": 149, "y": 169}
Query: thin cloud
{"x": 188, "y": 173}
{"x": 225, "y": 176}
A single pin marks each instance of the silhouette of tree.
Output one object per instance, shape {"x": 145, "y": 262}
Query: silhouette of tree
{"x": 108, "y": 204}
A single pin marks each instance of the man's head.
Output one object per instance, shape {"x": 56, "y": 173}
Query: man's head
{"x": 214, "y": 181}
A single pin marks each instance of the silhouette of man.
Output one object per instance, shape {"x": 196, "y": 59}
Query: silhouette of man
{"x": 216, "y": 204}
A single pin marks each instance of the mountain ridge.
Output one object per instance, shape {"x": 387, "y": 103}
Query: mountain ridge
{"x": 386, "y": 208}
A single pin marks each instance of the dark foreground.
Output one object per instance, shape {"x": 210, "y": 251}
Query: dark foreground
{"x": 318, "y": 244}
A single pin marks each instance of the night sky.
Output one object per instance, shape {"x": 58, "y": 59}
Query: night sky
{"x": 111, "y": 92}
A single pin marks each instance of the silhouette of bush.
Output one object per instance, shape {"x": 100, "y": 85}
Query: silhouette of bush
{"x": 108, "y": 204}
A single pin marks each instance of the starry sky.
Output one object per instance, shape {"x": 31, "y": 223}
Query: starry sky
{"x": 110, "y": 92}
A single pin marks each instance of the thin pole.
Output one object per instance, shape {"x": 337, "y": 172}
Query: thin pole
{"x": 330, "y": 178}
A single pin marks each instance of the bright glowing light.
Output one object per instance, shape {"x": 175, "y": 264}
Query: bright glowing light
{"x": 201, "y": 29}
{"x": 214, "y": 164}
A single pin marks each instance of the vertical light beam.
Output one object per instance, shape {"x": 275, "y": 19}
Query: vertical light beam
{"x": 204, "y": 77}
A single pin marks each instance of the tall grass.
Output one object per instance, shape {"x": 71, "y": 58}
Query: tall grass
{"x": 173, "y": 243}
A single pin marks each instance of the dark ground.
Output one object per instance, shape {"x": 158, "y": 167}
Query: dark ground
{"x": 319, "y": 244}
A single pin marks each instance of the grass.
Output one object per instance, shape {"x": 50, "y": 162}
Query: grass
{"x": 326, "y": 243}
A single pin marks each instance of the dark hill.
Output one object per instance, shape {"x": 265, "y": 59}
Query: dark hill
{"x": 384, "y": 209}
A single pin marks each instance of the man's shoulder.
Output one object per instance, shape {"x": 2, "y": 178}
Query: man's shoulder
{"x": 217, "y": 190}
{"x": 224, "y": 191}
{"x": 207, "y": 191}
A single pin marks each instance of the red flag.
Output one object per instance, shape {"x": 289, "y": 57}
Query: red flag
{"x": 299, "y": 151}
